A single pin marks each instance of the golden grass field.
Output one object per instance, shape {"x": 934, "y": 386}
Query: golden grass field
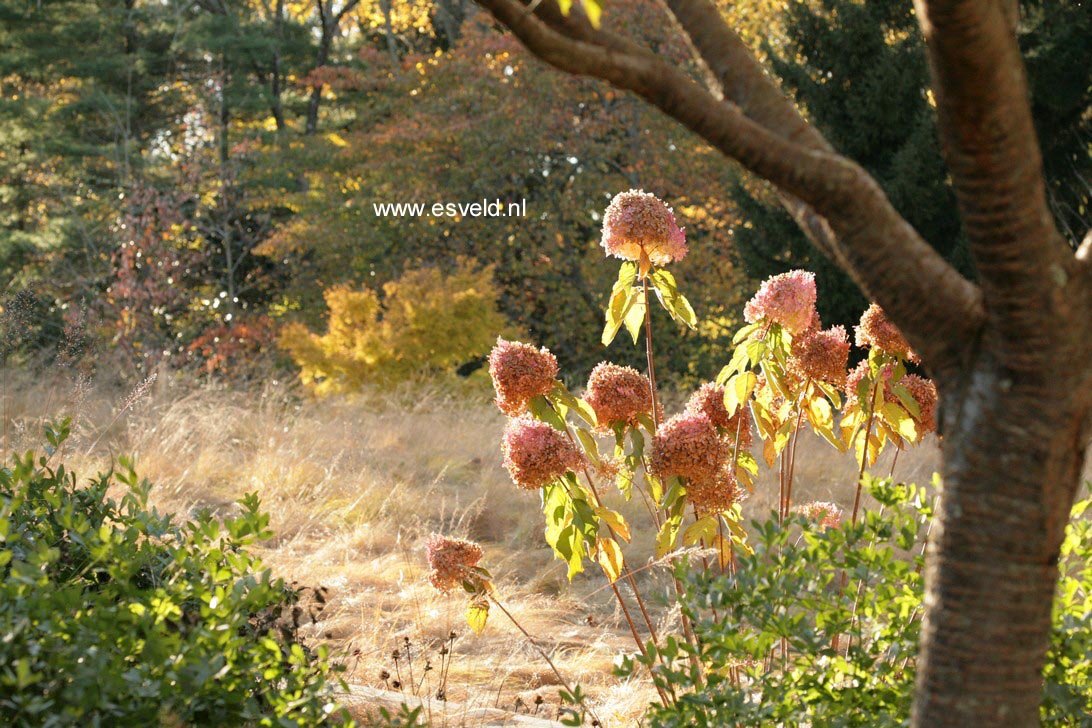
{"x": 354, "y": 487}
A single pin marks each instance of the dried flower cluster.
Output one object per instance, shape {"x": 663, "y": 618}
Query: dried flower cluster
{"x": 924, "y": 393}
{"x": 688, "y": 446}
{"x": 821, "y": 355}
{"x": 520, "y": 373}
{"x": 537, "y": 454}
{"x": 828, "y": 515}
{"x": 450, "y": 560}
{"x": 709, "y": 400}
{"x": 787, "y": 299}
{"x": 617, "y": 394}
{"x": 877, "y": 330}
{"x": 637, "y": 220}
{"x": 716, "y": 496}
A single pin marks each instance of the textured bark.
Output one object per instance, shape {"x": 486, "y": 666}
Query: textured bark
{"x": 1012, "y": 356}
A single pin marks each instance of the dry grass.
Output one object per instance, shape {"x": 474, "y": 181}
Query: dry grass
{"x": 354, "y": 486}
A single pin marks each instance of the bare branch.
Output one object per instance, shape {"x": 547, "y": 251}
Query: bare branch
{"x": 939, "y": 311}
{"x": 992, "y": 151}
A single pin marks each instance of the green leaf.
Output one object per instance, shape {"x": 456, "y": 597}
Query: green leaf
{"x": 635, "y": 316}
{"x": 587, "y": 441}
{"x": 617, "y": 308}
{"x": 669, "y": 532}
{"x": 907, "y": 400}
{"x": 670, "y": 298}
{"x": 738, "y": 390}
{"x": 544, "y": 412}
{"x": 583, "y": 410}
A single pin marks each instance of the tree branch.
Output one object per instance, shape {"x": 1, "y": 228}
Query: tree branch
{"x": 939, "y": 311}
{"x": 991, "y": 148}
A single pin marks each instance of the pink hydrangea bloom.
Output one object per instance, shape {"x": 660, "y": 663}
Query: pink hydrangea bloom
{"x": 709, "y": 400}
{"x": 520, "y": 373}
{"x": 637, "y": 220}
{"x": 536, "y": 454}
{"x": 688, "y": 446}
{"x": 924, "y": 393}
{"x": 787, "y": 299}
{"x": 877, "y": 330}
{"x": 829, "y": 515}
{"x": 449, "y": 559}
{"x": 617, "y": 394}
{"x": 821, "y": 355}
{"x": 716, "y": 496}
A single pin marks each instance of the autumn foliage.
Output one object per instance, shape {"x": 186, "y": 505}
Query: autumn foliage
{"x": 428, "y": 321}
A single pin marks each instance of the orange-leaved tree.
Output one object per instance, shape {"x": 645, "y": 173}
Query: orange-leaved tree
{"x": 1011, "y": 353}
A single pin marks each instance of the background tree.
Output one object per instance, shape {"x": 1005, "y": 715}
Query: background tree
{"x": 1010, "y": 354}
{"x": 860, "y": 72}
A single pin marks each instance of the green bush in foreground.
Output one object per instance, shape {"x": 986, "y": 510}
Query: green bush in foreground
{"x": 820, "y": 626}
{"x": 112, "y": 614}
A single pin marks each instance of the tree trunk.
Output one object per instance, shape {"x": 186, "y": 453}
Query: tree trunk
{"x": 316, "y": 91}
{"x": 321, "y": 57}
{"x": 275, "y": 86}
{"x": 1012, "y": 461}
{"x": 388, "y": 30}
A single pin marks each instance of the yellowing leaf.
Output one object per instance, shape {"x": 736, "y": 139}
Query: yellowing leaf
{"x": 609, "y": 556}
{"x": 594, "y": 11}
{"x": 702, "y": 529}
{"x": 336, "y": 140}
{"x": 477, "y": 613}
{"x": 615, "y": 521}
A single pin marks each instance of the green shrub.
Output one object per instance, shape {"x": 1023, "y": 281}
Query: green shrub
{"x": 112, "y": 614}
{"x": 791, "y": 591}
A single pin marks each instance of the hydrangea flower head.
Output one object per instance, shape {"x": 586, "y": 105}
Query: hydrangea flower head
{"x": 536, "y": 454}
{"x": 520, "y": 373}
{"x": 787, "y": 299}
{"x": 450, "y": 560}
{"x": 821, "y": 355}
{"x": 709, "y": 400}
{"x": 924, "y": 393}
{"x": 716, "y": 496}
{"x": 637, "y": 221}
{"x": 828, "y": 515}
{"x": 877, "y": 330}
{"x": 617, "y": 394}
{"x": 688, "y": 446}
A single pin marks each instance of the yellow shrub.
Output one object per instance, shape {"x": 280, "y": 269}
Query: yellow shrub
{"x": 429, "y": 321}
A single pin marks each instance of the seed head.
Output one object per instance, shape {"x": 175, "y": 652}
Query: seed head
{"x": 637, "y": 220}
{"x": 787, "y": 299}
{"x": 520, "y": 373}
{"x": 536, "y": 454}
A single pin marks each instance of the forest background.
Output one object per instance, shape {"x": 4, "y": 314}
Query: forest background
{"x": 179, "y": 180}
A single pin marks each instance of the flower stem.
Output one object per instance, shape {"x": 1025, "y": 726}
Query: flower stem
{"x": 648, "y": 355}
{"x": 537, "y": 646}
